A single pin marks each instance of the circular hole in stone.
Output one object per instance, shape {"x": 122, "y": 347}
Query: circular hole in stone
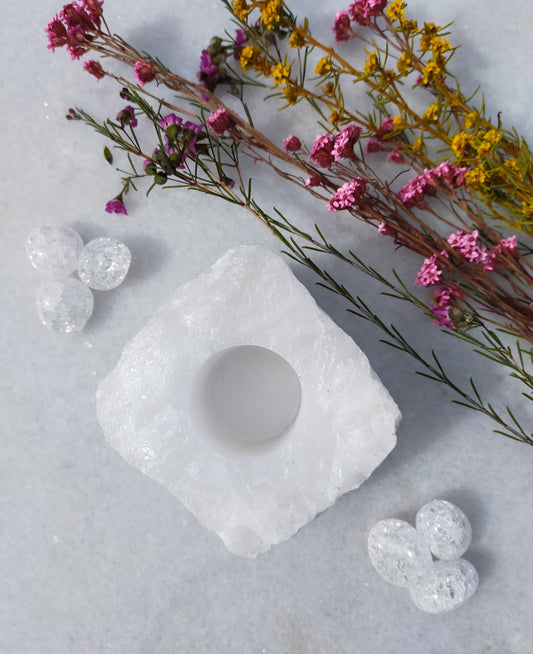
{"x": 247, "y": 397}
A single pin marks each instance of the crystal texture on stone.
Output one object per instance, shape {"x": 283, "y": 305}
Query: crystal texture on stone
{"x": 104, "y": 263}
{"x": 54, "y": 249}
{"x": 398, "y": 552}
{"x": 445, "y": 528}
{"x": 64, "y": 306}
{"x": 448, "y": 585}
{"x": 336, "y": 427}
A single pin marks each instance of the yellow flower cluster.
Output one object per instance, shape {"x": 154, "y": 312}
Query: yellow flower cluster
{"x": 396, "y": 10}
{"x": 252, "y": 57}
{"x": 297, "y": 38}
{"x": 431, "y": 113}
{"x": 461, "y": 142}
{"x": 476, "y": 176}
{"x": 431, "y": 72}
{"x": 271, "y": 13}
{"x": 372, "y": 63}
{"x": 404, "y": 63}
{"x": 429, "y": 31}
{"x": 281, "y": 73}
{"x": 324, "y": 66}
{"x": 240, "y": 9}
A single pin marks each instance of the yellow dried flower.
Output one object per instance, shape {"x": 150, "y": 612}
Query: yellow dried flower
{"x": 262, "y": 65}
{"x": 471, "y": 120}
{"x": 484, "y": 149}
{"x": 527, "y": 209}
{"x": 418, "y": 146}
{"x": 428, "y": 33}
{"x": 440, "y": 45}
{"x": 404, "y": 63}
{"x": 329, "y": 89}
{"x": 512, "y": 165}
{"x": 460, "y": 142}
{"x": 271, "y": 13}
{"x": 398, "y": 122}
{"x": 281, "y": 73}
{"x": 297, "y": 38}
{"x": 431, "y": 113}
{"x": 396, "y": 10}
{"x": 431, "y": 72}
{"x": 334, "y": 118}
{"x": 372, "y": 63}
{"x": 291, "y": 94}
{"x": 493, "y": 136}
{"x": 323, "y": 66}
{"x": 408, "y": 26}
{"x": 248, "y": 54}
{"x": 240, "y": 9}
{"x": 476, "y": 176}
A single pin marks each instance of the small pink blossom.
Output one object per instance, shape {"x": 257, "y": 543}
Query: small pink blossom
{"x": 387, "y": 126}
{"x": 384, "y": 229}
{"x": 144, "y": 72}
{"x": 395, "y": 157}
{"x": 94, "y": 68}
{"x": 57, "y": 34}
{"x": 441, "y": 306}
{"x": 508, "y": 245}
{"x": 430, "y": 273}
{"x": 127, "y": 117}
{"x": 116, "y": 206}
{"x": 315, "y": 180}
{"x": 362, "y": 10}
{"x": 345, "y": 141}
{"x": 412, "y": 194}
{"x": 341, "y": 26}
{"x": 373, "y": 145}
{"x": 468, "y": 246}
{"x": 321, "y": 154}
{"x": 94, "y": 9}
{"x": 292, "y": 143}
{"x": 220, "y": 121}
{"x": 347, "y": 195}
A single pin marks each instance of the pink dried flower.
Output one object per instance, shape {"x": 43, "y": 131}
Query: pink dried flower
{"x": 430, "y": 273}
{"x": 292, "y": 143}
{"x": 441, "y": 306}
{"x": 321, "y": 154}
{"x": 341, "y": 26}
{"x": 144, "y": 72}
{"x": 94, "y": 68}
{"x": 171, "y": 119}
{"x": 373, "y": 145}
{"x": 412, "y": 194}
{"x": 384, "y": 229}
{"x": 315, "y": 180}
{"x": 468, "y": 247}
{"x": 448, "y": 173}
{"x": 127, "y": 117}
{"x": 344, "y": 142}
{"x": 57, "y": 34}
{"x": 347, "y": 195}
{"x": 94, "y": 9}
{"x": 362, "y": 10}
{"x": 387, "y": 126}
{"x": 395, "y": 157}
{"x": 116, "y": 206}
{"x": 220, "y": 121}
{"x": 508, "y": 245}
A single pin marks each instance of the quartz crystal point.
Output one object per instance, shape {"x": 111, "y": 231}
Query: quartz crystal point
{"x": 104, "y": 263}
{"x": 54, "y": 249}
{"x": 163, "y": 407}
{"x": 447, "y": 585}
{"x": 445, "y": 528}
{"x": 398, "y": 552}
{"x": 64, "y": 306}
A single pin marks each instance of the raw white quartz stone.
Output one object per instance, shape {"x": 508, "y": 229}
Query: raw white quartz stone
{"x": 448, "y": 585}
{"x": 336, "y": 426}
{"x": 54, "y": 249}
{"x": 445, "y": 528}
{"x": 398, "y": 552}
{"x": 104, "y": 263}
{"x": 64, "y": 306}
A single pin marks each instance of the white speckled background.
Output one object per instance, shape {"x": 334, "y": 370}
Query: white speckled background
{"x": 97, "y": 558}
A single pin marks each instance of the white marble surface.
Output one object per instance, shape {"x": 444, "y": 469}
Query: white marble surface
{"x": 95, "y": 557}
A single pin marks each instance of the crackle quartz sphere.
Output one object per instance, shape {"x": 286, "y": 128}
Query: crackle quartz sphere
{"x": 64, "y": 306}
{"x": 104, "y": 263}
{"x": 445, "y": 528}
{"x": 398, "y": 552}
{"x": 54, "y": 249}
{"x": 448, "y": 585}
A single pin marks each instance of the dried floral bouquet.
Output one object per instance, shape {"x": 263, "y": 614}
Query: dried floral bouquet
{"x": 460, "y": 181}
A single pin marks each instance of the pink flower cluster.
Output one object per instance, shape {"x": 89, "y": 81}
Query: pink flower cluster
{"x": 220, "y": 121}
{"x": 440, "y": 308}
{"x": 75, "y": 26}
{"x": 328, "y": 148}
{"x": 430, "y": 273}
{"x": 341, "y": 26}
{"x": 362, "y": 10}
{"x": 144, "y": 72}
{"x": 413, "y": 193}
{"x": 490, "y": 259}
{"x": 292, "y": 143}
{"x": 348, "y": 195}
{"x": 187, "y": 136}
